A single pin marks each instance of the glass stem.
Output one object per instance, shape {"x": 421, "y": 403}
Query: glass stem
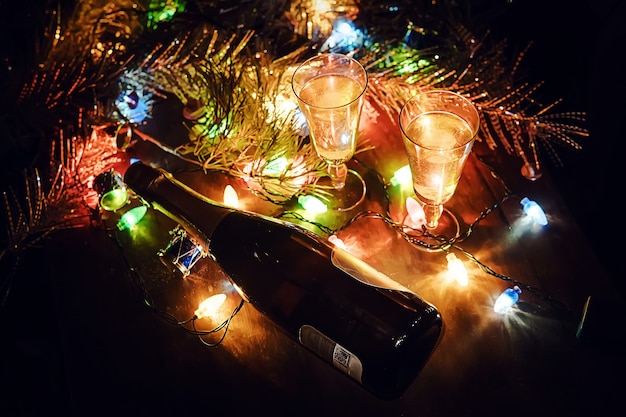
{"x": 432, "y": 213}
{"x": 338, "y": 175}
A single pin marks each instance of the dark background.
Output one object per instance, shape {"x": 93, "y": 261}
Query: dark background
{"x": 582, "y": 45}
{"x": 577, "y": 48}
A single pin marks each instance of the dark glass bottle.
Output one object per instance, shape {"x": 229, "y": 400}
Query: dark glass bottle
{"x": 352, "y": 316}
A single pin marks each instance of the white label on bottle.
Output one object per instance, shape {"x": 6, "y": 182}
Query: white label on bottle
{"x": 330, "y": 351}
{"x": 363, "y": 272}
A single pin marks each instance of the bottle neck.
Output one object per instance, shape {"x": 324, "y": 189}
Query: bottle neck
{"x": 197, "y": 214}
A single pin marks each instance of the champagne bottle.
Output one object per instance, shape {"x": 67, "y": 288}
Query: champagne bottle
{"x": 352, "y": 316}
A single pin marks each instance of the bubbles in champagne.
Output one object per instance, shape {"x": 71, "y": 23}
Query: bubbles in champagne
{"x": 441, "y": 142}
{"x": 332, "y": 90}
{"x": 331, "y": 104}
{"x": 439, "y": 131}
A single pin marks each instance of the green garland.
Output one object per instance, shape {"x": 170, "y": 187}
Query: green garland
{"x": 228, "y": 64}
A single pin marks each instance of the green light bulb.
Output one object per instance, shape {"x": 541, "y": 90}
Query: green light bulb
{"x": 312, "y": 204}
{"x": 132, "y": 217}
{"x": 114, "y": 199}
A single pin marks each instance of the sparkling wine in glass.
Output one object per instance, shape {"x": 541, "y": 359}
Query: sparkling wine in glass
{"x": 438, "y": 128}
{"x": 330, "y": 89}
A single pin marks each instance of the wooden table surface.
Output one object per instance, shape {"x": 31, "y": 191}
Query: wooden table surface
{"x": 106, "y": 351}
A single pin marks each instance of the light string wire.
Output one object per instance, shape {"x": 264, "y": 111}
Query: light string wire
{"x": 444, "y": 244}
{"x": 77, "y": 73}
{"x": 188, "y": 325}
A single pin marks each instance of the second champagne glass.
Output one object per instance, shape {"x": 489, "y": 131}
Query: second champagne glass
{"x": 438, "y": 128}
{"x": 330, "y": 89}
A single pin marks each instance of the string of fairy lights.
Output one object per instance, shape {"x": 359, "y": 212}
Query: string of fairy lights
{"x": 422, "y": 238}
{"x": 212, "y": 337}
{"x": 240, "y": 119}
{"x": 184, "y": 252}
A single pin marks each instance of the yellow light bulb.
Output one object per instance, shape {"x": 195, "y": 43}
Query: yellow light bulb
{"x": 456, "y": 269}
{"x": 231, "y": 199}
{"x": 337, "y": 241}
{"x": 210, "y": 306}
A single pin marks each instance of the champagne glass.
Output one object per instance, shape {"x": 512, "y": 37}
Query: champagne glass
{"x": 330, "y": 89}
{"x": 438, "y": 128}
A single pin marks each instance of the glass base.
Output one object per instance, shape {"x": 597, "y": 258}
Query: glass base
{"x": 434, "y": 240}
{"x": 347, "y": 198}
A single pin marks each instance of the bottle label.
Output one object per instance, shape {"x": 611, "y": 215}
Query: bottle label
{"x": 363, "y": 272}
{"x": 330, "y": 351}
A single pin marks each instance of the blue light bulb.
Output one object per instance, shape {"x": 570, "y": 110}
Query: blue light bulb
{"x": 507, "y": 299}
{"x": 534, "y": 211}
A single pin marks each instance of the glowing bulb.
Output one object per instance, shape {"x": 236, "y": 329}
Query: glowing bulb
{"x": 415, "y": 214}
{"x": 402, "y": 176}
{"x": 114, "y": 199}
{"x": 231, "y": 199}
{"x": 343, "y": 34}
{"x": 337, "y": 241}
{"x": 132, "y": 217}
{"x": 346, "y": 28}
{"x": 507, "y": 299}
{"x": 111, "y": 190}
{"x": 312, "y": 204}
{"x": 534, "y": 211}
{"x": 210, "y": 306}
{"x": 456, "y": 269}
{"x": 134, "y": 105}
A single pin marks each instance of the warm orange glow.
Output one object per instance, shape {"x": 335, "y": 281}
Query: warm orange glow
{"x": 231, "y": 199}
{"x": 337, "y": 241}
{"x": 210, "y": 306}
{"x": 456, "y": 269}
{"x": 318, "y": 13}
{"x": 282, "y": 106}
